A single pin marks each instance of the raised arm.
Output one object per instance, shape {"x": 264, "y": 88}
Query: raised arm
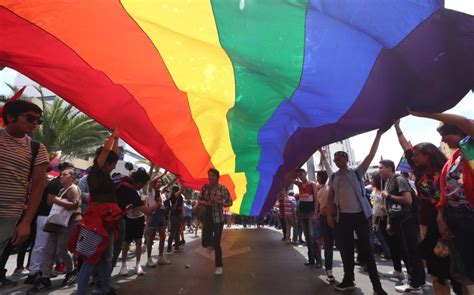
{"x": 401, "y": 138}
{"x": 375, "y": 145}
{"x": 463, "y": 123}
{"x": 110, "y": 144}
{"x": 325, "y": 161}
{"x": 155, "y": 179}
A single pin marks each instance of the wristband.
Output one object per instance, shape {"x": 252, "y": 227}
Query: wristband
{"x": 389, "y": 197}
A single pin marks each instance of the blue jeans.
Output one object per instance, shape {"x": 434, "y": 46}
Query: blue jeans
{"x": 328, "y": 237}
{"x": 118, "y": 244}
{"x": 104, "y": 267}
{"x": 7, "y": 227}
{"x": 383, "y": 243}
{"x": 314, "y": 253}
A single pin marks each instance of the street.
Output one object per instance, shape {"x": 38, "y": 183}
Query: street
{"x": 255, "y": 262}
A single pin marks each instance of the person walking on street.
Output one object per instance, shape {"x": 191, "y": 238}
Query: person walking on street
{"x": 214, "y": 196}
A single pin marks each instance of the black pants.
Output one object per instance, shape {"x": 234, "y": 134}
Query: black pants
{"x": 344, "y": 234}
{"x": 283, "y": 226}
{"x": 174, "y": 232}
{"x": 211, "y": 236}
{"x": 394, "y": 244}
{"x": 406, "y": 229}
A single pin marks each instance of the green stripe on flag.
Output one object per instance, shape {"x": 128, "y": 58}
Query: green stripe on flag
{"x": 265, "y": 42}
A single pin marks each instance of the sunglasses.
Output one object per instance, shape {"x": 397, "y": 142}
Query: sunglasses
{"x": 32, "y": 118}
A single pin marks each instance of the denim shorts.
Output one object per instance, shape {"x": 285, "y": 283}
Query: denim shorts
{"x": 156, "y": 221}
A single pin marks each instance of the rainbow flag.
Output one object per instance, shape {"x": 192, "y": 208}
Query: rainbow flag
{"x": 403, "y": 165}
{"x": 250, "y": 87}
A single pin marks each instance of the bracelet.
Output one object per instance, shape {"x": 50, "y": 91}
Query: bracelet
{"x": 399, "y": 133}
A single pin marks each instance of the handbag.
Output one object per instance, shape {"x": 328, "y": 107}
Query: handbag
{"x": 58, "y": 216}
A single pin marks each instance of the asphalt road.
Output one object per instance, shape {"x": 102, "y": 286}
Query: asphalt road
{"x": 255, "y": 262}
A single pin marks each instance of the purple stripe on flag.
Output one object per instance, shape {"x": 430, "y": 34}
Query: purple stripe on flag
{"x": 431, "y": 70}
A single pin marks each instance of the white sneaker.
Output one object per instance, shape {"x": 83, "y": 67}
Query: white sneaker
{"x": 395, "y": 274}
{"x": 219, "y": 271}
{"x": 150, "y": 263}
{"x": 163, "y": 261}
{"x": 408, "y": 289}
{"x": 139, "y": 270}
{"x": 329, "y": 276}
{"x": 124, "y": 271}
{"x": 25, "y": 272}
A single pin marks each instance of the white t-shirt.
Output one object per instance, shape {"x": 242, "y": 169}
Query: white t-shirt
{"x": 150, "y": 199}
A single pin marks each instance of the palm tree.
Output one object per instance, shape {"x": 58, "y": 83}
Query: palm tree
{"x": 66, "y": 129}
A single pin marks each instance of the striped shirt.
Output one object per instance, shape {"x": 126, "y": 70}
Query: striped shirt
{"x": 15, "y": 159}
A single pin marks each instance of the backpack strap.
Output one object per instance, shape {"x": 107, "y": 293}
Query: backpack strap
{"x": 35, "y": 145}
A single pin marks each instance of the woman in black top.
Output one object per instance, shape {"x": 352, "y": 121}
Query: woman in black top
{"x": 101, "y": 188}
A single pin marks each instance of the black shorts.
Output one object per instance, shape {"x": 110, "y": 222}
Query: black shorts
{"x": 134, "y": 228}
{"x": 436, "y": 266}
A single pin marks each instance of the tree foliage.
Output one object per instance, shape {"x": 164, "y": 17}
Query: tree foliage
{"x": 66, "y": 129}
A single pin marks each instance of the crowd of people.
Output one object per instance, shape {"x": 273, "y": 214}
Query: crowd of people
{"x": 83, "y": 224}
{"x": 424, "y": 218}
{"x": 79, "y": 225}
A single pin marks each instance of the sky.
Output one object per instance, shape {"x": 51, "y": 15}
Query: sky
{"x": 415, "y": 129}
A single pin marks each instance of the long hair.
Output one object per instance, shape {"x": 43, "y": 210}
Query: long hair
{"x": 437, "y": 158}
{"x": 378, "y": 182}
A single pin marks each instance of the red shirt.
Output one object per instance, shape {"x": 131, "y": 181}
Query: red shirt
{"x": 467, "y": 176}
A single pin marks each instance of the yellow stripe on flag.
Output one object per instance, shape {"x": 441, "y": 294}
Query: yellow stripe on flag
{"x": 185, "y": 34}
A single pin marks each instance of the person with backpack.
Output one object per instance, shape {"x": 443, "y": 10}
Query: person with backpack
{"x": 347, "y": 200}
{"x": 23, "y": 164}
{"x": 403, "y": 223}
{"x": 130, "y": 201}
